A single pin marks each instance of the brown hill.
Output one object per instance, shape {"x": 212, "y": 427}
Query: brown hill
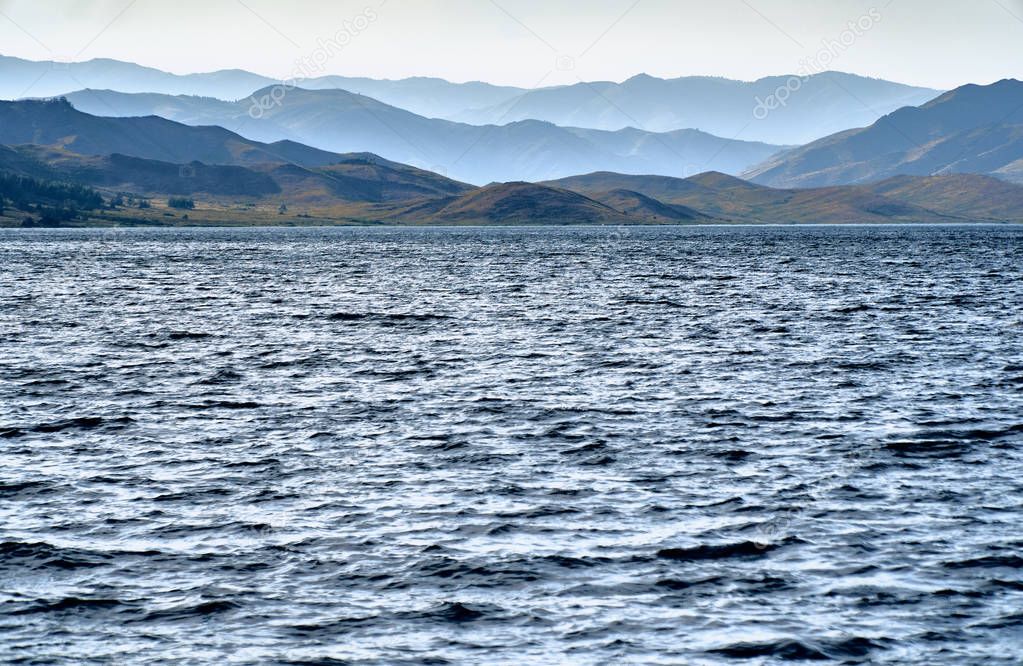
{"x": 510, "y": 204}
{"x": 939, "y": 199}
{"x": 639, "y": 205}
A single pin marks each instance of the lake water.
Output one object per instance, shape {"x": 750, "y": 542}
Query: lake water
{"x": 512, "y": 446}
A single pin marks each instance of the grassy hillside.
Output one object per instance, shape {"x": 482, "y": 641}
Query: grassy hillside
{"x": 939, "y": 199}
{"x": 511, "y": 203}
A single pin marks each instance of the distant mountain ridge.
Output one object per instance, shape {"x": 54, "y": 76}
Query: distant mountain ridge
{"x": 27, "y": 78}
{"x": 820, "y": 105}
{"x": 343, "y": 122}
{"x": 425, "y": 96}
{"x": 973, "y": 129}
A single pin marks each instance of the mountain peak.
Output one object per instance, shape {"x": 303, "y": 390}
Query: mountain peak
{"x": 643, "y": 78}
{"x": 718, "y": 180}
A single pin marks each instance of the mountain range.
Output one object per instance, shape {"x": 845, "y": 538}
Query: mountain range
{"x": 241, "y": 181}
{"x": 973, "y": 129}
{"x": 329, "y": 155}
{"x": 804, "y": 108}
{"x": 529, "y": 150}
{"x": 795, "y": 110}
{"x": 431, "y": 97}
{"x": 154, "y": 156}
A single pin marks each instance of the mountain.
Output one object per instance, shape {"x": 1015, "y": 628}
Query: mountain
{"x": 636, "y": 204}
{"x": 234, "y": 180}
{"x": 806, "y": 109}
{"x": 53, "y": 123}
{"x": 973, "y": 129}
{"x": 153, "y": 155}
{"x": 26, "y": 78}
{"x": 513, "y": 203}
{"x": 351, "y": 179}
{"x": 821, "y": 105}
{"x": 342, "y": 122}
{"x": 424, "y": 96}
{"x": 939, "y": 199}
{"x": 431, "y": 97}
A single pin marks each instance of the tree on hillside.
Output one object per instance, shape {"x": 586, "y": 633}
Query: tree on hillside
{"x": 181, "y": 203}
{"x": 3, "y": 205}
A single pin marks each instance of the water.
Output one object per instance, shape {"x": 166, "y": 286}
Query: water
{"x": 512, "y": 446}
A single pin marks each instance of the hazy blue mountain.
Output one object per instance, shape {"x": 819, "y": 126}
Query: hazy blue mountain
{"x": 25, "y": 78}
{"x": 973, "y": 129}
{"x": 824, "y": 103}
{"x": 431, "y": 97}
{"x": 344, "y": 122}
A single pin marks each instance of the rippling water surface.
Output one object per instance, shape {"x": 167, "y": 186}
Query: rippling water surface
{"x": 513, "y": 446}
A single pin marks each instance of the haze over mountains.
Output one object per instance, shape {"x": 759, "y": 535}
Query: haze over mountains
{"x": 431, "y": 97}
{"x": 820, "y": 105}
{"x": 823, "y": 104}
{"x": 26, "y": 78}
{"x": 973, "y": 129}
{"x": 343, "y": 122}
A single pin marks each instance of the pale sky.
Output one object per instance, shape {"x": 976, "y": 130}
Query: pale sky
{"x": 936, "y": 43}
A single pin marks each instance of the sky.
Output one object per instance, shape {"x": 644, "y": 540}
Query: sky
{"x": 531, "y": 43}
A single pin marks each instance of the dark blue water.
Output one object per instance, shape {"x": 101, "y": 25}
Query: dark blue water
{"x": 514, "y": 446}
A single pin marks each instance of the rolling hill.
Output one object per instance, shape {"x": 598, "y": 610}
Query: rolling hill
{"x": 510, "y": 204}
{"x": 973, "y": 129}
{"x": 340, "y": 121}
{"x": 939, "y": 199}
{"x": 823, "y": 104}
